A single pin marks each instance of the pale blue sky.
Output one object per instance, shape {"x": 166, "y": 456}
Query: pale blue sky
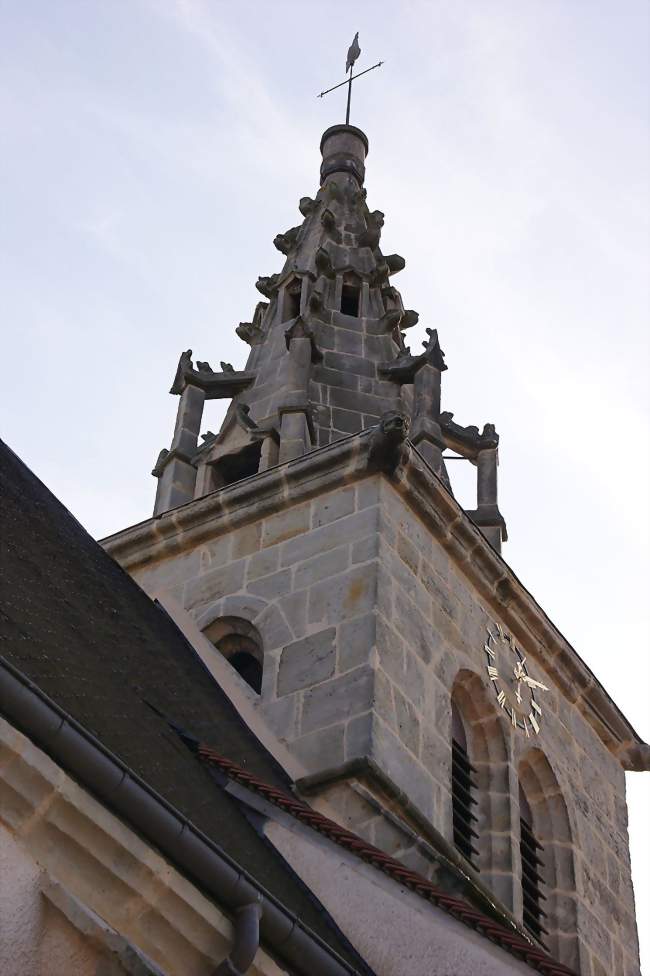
{"x": 150, "y": 150}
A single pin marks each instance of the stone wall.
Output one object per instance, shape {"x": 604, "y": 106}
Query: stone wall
{"x": 368, "y": 628}
{"x": 307, "y": 578}
{"x": 432, "y": 623}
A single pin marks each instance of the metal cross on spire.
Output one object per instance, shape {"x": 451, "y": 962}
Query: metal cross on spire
{"x": 353, "y": 53}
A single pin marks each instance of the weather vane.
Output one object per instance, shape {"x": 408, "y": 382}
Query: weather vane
{"x": 353, "y": 53}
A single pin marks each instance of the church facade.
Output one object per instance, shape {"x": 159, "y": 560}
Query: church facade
{"x": 452, "y": 790}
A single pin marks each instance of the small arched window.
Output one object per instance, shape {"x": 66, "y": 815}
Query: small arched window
{"x": 240, "y": 643}
{"x": 463, "y": 788}
{"x": 532, "y": 864}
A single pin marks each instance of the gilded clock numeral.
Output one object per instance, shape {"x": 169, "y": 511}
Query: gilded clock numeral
{"x": 535, "y": 706}
{"x": 489, "y": 651}
{"x": 493, "y": 672}
{"x": 513, "y": 717}
{"x": 526, "y": 728}
{"x": 501, "y": 698}
{"x": 533, "y": 722}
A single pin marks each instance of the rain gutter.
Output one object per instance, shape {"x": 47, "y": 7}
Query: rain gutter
{"x": 123, "y": 791}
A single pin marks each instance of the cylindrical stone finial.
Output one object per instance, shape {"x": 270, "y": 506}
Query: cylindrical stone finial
{"x": 344, "y": 149}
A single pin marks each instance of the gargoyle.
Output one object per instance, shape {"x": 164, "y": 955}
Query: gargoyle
{"x": 409, "y": 319}
{"x": 159, "y": 466}
{"x": 306, "y": 206}
{"x": 252, "y": 332}
{"x": 266, "y": 285}
{"x": 388, "y": 448}
{"x": 395, "y": 263}
{"x": 286, "y": 242}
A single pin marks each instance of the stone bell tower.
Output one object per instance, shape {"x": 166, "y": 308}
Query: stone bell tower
{"x": 316, "y": 544}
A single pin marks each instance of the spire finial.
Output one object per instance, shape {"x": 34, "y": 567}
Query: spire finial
{"x": 353, "y": 53}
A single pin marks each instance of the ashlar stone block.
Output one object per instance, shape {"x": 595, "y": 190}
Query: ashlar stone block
{"x": 308, "y": 661}
{"x": 215, "y": 584}
{"x": 333, "y": 506}
{"x": 345, "y": 595}
{"x": 321, "y": 567}
{"x": 356, "y": 640}
{"x": 330, "y": 701}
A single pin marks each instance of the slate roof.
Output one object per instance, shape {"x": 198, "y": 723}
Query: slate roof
{"x": 75, "y": 624}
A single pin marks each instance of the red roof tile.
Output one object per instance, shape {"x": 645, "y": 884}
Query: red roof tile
{"x": 511, "y": 941}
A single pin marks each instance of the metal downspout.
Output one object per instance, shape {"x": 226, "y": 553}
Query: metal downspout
{"x": 246, "y": 942}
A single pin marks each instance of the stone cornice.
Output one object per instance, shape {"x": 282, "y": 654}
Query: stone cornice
{"x": 345, "y": 461}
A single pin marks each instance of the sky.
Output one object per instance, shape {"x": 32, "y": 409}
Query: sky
{"x": 150, "y": 151}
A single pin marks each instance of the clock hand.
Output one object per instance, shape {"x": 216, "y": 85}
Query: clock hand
{"x": 534, "y": 684}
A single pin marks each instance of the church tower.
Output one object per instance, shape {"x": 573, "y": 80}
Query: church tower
{"x": 316, "y": 544}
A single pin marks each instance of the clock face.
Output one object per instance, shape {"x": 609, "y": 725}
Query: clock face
{"x": 514, "y": 688}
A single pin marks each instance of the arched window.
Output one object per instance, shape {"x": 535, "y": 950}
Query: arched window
{"x": 484, "y": 743}
{"x": 531, "y": 853}
{"x": 547, "y": 864}
{"x": 463, "y": 789}
{"x": 241, "y": 645}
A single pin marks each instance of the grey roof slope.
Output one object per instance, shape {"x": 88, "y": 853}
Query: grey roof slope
{"x": 74, "y": 623}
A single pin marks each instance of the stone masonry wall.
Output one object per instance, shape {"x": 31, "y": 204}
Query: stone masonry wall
{"x": 307, "y": 578}
{"x": 432, "y": 624}
{"x": 367, "y": 626}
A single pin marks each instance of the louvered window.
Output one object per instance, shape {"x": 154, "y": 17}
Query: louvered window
{"x": 463, "y": 789}
{"x": 531, "y": 879}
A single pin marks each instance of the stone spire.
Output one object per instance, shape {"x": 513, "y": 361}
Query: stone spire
{"x": 327, "y": 356}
